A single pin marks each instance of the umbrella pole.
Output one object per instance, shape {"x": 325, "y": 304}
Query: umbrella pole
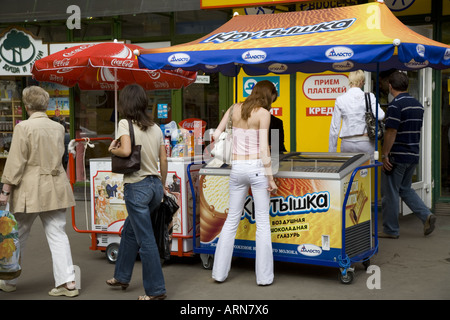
{"x": 377, "y": 91}
{"x": 115, "y": 103}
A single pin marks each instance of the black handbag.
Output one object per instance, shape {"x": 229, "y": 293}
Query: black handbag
{"x": 371, "y": 121}
{"x": 129, "y": 164}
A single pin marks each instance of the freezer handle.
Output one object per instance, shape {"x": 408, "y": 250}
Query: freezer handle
{"x": 344, "y": 258}
{"x": 194, "y": 204}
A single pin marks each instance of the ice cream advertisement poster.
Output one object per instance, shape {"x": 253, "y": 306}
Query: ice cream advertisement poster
{"x": 305, "y": 214}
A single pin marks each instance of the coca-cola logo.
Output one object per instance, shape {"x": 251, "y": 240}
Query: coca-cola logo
{"x": 61, "y": 63}
{"x": 79, "y": 49}
{"x": 154, "y": 74}
{"x": 122, "y": 63}
{"x": 191, "y": 123}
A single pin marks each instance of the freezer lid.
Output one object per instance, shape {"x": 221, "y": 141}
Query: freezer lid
{"x": 307, "y": 165}
{"x": 224, "y": 170}
{"x": 321, "y": 162}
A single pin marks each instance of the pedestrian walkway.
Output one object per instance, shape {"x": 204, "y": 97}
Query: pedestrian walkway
{"x": 412, "y": 267}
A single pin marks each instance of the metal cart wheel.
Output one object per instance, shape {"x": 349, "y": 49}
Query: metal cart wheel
{"x": 207, "y": 261}
{"x": 112, "y": 251}
{"x": 346, "y": 277}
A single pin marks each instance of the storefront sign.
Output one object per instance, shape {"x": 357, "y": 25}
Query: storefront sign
{"x": 162, "y": 111}
{"x": 213, "y": 4}
{"x": 281, "y": 83}
{"x": 325, "y": 86}
{"x": 249, "y": 83}
{"x": 316, "y": 106}
{"x": 18, "y": 51}
{"x": 409, "y": 7}
{"x": 328, "y": 4}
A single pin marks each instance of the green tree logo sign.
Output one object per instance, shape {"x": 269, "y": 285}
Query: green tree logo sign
{"x": 18, "y": 52}
{"x": 14, "y": 49}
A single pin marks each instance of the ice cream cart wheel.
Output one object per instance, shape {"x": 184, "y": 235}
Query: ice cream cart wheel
{"x": 207, "y": 260}
{"x": 346, "y": 276}
{"x": 112, "y": 251}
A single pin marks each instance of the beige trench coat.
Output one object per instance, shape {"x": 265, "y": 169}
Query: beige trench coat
{"x": 34, "y": 167}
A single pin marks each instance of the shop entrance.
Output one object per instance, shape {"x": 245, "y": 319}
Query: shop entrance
{"x": 420, "y": 87}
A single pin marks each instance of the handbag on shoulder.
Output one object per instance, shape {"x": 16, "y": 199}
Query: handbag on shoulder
{"x": 371, "y": 121}
{"x": 129, "y": 164}
{"x": 223, "y": 147}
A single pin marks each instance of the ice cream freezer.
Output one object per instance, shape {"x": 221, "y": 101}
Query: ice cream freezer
{"x": 108, "y": 210}
{"x": 321, "y": 213}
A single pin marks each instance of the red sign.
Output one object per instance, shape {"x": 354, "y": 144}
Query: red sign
{"x": 189, "y": 124}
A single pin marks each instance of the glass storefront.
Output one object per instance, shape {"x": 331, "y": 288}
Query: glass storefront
{"x": 201, "y": 101}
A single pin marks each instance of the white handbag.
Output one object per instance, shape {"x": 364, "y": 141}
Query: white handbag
{"x": 223, "y": 147}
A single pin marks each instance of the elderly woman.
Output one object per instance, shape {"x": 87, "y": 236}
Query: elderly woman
{"x": 350, "y": 108}
{"x": 35, "y": 184}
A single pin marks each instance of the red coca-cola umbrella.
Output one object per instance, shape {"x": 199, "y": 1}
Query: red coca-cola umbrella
{"x": 106, "y": 66}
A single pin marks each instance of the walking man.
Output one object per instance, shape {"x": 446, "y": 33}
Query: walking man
{"x": 400, "y": 156}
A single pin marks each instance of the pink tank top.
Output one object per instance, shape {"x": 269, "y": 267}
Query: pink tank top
{"x": 245, "y": 141}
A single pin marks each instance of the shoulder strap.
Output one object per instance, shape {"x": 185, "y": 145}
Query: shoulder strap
{"x": 130, "y": 125}
{"x": 230, "y": 119}
{"x": 368, "y": 102}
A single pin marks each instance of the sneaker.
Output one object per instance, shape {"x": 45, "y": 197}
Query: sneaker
{"x": 63, "y": 291}
{"x": 6, "y": 287}
{"x": 429, "y": 224}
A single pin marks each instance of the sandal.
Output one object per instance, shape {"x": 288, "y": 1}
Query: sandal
{"x": 146, "y": 297}
{"x": 63, "y": 291}
{"x": 7, "y": 287}
{"x": 114, "y": 283}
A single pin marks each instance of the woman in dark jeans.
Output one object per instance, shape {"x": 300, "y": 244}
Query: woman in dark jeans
{"x": 143, "y": 191}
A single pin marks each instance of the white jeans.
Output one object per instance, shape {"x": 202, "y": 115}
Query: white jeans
{"x": 355, "y": 146}
{"x": 244, "y": 174}
{"x": 54, "y": 223}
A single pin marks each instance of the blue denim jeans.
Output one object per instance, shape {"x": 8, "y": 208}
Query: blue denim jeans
{"x": 398, "y": 185}
{"x": 141, "y": 198}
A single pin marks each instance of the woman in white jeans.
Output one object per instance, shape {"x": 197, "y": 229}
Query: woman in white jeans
{"x": 350, "y": 108}
{"x": 35, "y": 184}
{"x": 251, "y": 167}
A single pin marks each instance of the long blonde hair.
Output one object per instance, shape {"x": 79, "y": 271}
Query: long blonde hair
{"x": 263, "y": 95}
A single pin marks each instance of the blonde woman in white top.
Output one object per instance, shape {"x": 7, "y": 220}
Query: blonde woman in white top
{"x": 350, "y": 109}
{"x": 143, "y": 192}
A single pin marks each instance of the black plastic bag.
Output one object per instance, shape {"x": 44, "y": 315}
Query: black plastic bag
{"x": 162, "y": 225}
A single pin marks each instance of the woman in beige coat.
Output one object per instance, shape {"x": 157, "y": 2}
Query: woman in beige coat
{"x": 35, "y": 184}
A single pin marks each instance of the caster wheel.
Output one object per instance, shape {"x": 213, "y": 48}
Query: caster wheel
{"x": 347, "y": 278}
{"x": 111, "y": 252}
{"x": 207, "y": 261}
